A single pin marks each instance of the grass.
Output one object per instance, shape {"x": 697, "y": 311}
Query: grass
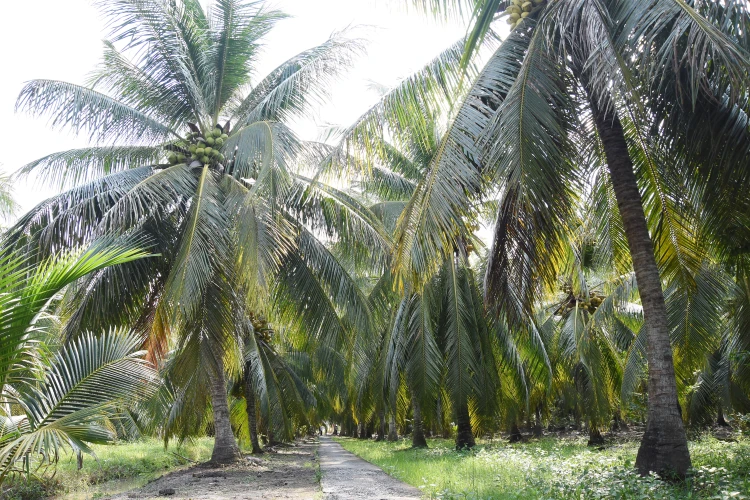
{"x": 116, "y": 468}
{"x": 552, "y": 468}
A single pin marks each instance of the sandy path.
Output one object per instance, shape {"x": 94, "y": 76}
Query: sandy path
{"x": 346, "y": 476}
{"x": 289, "y": 474}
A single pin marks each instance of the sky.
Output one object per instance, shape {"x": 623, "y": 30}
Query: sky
{"x": 62, "y": 40}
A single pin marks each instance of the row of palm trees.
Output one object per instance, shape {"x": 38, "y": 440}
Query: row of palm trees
{"x": 605, "y": 141}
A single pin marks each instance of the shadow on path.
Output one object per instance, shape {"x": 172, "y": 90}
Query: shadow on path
{"x": 346, "y": 476}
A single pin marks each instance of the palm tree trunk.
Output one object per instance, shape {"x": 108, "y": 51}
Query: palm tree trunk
{"x": 225, "y": 446}
{"x": 464, "y": 433}
{"x": 664, "y": 444}
{"x": 536, "y": 431}
{"x": 252, "y": 423}
{"x": 381, "y": 426}
{"x": 515, "y": 434}
{"x": 392, "y": 432}
{"x": 417, "y": 433}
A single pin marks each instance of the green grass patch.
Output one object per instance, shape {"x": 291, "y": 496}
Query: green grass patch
{"x": 556, "y": 468}
{"x": 117, "y": 467}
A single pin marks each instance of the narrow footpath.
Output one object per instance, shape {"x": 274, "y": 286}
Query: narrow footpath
{"x": 346, "y": 476}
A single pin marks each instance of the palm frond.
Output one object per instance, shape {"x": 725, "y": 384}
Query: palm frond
{"x": 82, "y": 109}
{"x": 300, "y": 82}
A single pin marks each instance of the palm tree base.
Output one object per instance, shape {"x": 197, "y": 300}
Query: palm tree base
{"x": 663, "y": 450}
{"x": 595, "y": 438}
{"x": 225, "y": 455}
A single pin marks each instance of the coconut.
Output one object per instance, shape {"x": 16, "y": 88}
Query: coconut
{"x": 219, "y": 142}
{"x": 224, "y": 136}
{"x": 217, "y": 132}
{"x": 210, "y": 141}
{"x": 205, "y": 159}
{"x": 172, "y": 158}
{"x": 181, "y": 158}
{"x": 527, "y": 6}
{"x": 192, "y": 148}
{"x": 515, "y": 17}
{"x": 524, "y": 15}
{"x": 207, "y": 151}
{"x": 200, "y": 151}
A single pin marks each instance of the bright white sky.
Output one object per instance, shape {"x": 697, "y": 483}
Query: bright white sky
{"x": 61, "y": 39}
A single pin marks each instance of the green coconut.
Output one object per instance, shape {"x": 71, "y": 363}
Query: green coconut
{"x": 219, "y": 142}
{"x": 205, "y": 159}
{"x": 192, "y": 148}
{"x": 172, "y": 158}
{"x": 207, "y": 151}
{"x": 515, "y": 17}
{"x": 524, "y": 15}
{"x": 527, "y": 6}
{"x": 200, "y": 151}
{"x": 210, "y": 141}
{"x": 224, "y": 136}
{"x": 181, "y": 158}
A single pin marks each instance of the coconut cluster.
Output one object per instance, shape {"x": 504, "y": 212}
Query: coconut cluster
{"x": 518, "y": 10}
{"x": 262, "y": 327}
{"x": 204, "y": 147}
{"x": 590, "y": 303}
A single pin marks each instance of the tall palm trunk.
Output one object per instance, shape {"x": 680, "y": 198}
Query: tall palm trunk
{"x": 392, "y": 432}
{"x": 225, "y": 446}
{"x": 417, "y": 433}
{"x": 664, "y": 444}
{"x": 464, "y": 433}
{"x": 252, "y": 423}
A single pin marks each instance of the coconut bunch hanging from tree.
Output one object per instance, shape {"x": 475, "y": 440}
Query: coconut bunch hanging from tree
{"x": 201, "y": 146}
{"x": 518, "y": 10}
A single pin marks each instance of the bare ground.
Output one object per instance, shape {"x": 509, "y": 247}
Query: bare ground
{"x": 289, "y": 473}
{"x": 346, "y": 476}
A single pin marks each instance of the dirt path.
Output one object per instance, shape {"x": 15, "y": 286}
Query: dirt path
{"x": 290, "y": 473}
{"x": 346, "y": 476}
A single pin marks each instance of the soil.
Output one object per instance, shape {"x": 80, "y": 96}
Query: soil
{"x": 288, "y": 473}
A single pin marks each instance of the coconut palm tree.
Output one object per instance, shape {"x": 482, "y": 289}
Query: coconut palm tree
{"x": 193, "y": 157}
{"x": 52, "y": 398}
{"x": 573, "y": 77}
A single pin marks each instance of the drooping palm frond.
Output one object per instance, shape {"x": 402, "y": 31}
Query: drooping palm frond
{"x": 77, "y": 166}
{"x": 202, "y": 246}
{"x": 674, "y": 36}
{"x": 82, "y": 109}
{"x": 56, "y": 222}
{"x": 532, "y": 159}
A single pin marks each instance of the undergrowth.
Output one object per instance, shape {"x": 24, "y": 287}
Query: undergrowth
{"x": 552, "y": 468}
{"x": 139, "y": 461}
